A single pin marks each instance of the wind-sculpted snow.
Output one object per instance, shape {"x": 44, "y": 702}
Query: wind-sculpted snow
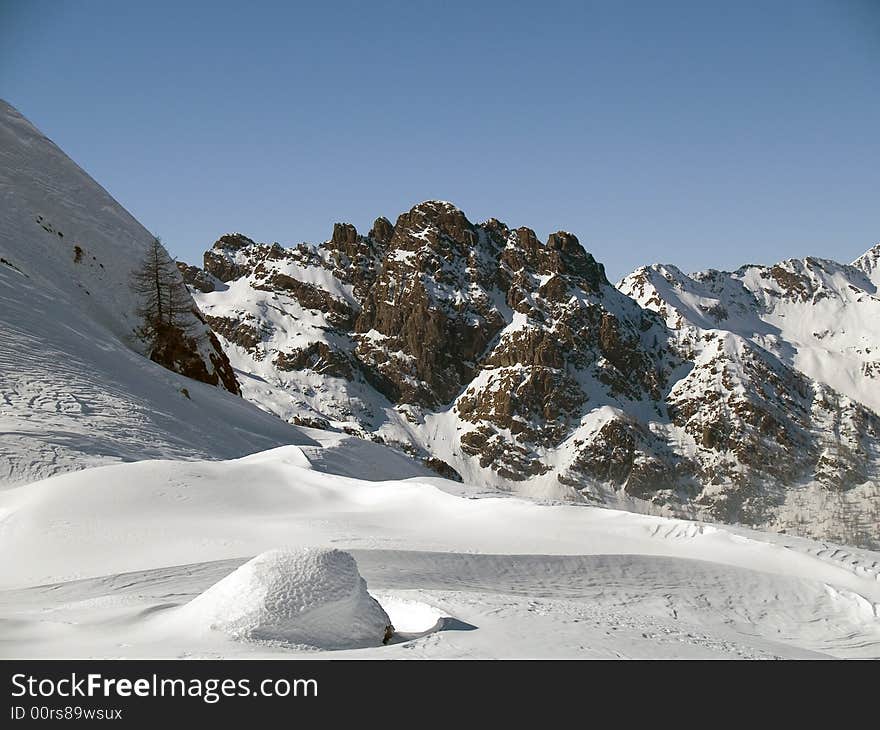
{"x": 141, "y": 560}
{"x": 312, "y": 597}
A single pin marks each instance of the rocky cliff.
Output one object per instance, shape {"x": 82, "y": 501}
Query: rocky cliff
{"x": 513, "y": 362}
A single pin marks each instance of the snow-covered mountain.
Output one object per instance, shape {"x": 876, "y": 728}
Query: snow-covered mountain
{"x": 488, "y": 356}
{"x": 815, "y": 315}
{"x": 476, "y": 348}
{"x": 76, "y": 386}
{"x": 493, "y": 357}
{"x": 869, "y": 262}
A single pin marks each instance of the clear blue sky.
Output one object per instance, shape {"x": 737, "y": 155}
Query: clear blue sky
{"x": 696, "y": 133}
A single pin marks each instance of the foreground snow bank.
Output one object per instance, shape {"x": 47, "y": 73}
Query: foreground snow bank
{"x": 311, "y": 596}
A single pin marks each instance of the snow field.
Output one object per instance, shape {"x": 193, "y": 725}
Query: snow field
{"x": 143, "y": 559}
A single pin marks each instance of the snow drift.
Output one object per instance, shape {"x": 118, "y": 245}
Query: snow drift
{"x": 137, "y": 560}
{"x": 313, "y": 596}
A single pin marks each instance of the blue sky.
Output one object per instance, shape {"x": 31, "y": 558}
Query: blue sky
{"x": 696, "y": 133}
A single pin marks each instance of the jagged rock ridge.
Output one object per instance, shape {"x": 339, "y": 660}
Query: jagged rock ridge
{"x": 516, "y": 363}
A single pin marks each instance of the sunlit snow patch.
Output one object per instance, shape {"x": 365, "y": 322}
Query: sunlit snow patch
{"x": 410, "y": 617}
{"x": 853, "y": 605}
{"x": 414, "y": 619}
{"x": 314, "y": 597}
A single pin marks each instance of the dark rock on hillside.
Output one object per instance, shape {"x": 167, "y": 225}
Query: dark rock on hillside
{"x": 196, "y": 277}
{"x": 176, "y": 350}
{"x": 221, "y": 262}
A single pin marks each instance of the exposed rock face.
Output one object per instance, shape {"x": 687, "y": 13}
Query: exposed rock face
{"x": 223, "y": 262}
{"x": 196, "y": 278}
{"x": 238, "y": 331}
{"x": 317, "y": 357}
{"x": 624, "y": 453}
{"x": 430, "y": 305}
{"x": 382, "y": 231}
{"x": 509, "y": 361}
{"x": 178, "y": 351}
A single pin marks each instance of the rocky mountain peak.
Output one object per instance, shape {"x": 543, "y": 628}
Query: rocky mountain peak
{"x": 382, "y": 230}
{"x": 226, "y": 259}
{"x": 233, "y": 242}
{"x": 344, "y": 236}
{"x": 511, "y": 361}
{"x": 438, "y": 224}
{"x": 567, "y": 256}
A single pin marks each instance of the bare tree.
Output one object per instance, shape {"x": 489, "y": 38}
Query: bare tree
{"x": 164, "y": 301}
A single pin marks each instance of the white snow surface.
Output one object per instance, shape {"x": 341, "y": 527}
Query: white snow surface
{"x": 869, "y": 262}
{"x": 120, "y": 560}
{"x": 313, "y": 597}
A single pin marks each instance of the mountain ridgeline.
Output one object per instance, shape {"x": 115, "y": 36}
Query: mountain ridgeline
{"x": 503, "y": 360}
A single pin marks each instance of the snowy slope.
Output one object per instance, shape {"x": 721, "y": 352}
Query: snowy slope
{"x": 75, "y": 388}
{"x": 121, "y": 549}
{"x": 869, "y": 262}
{"x": 817, "y": 316}
{"x": 69, "y": 238}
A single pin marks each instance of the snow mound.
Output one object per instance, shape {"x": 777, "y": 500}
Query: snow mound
{"x": 315, "y": 597}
